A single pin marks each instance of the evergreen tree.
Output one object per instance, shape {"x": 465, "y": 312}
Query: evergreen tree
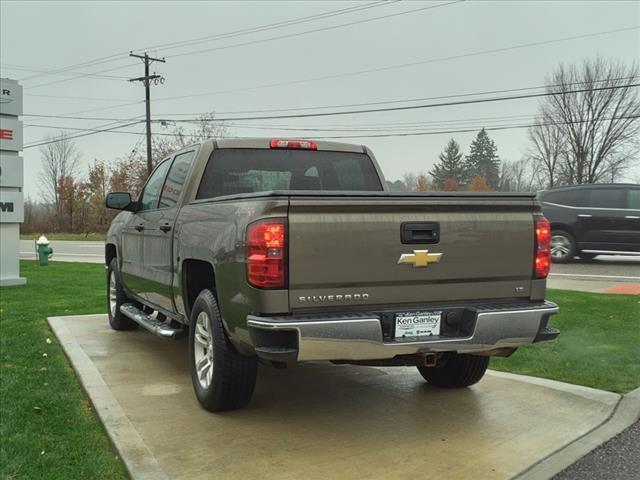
{"x": 450, "y": 166}
{"x": 483, "y": 159}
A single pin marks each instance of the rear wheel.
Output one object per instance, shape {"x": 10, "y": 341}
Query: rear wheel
{"x": 563, "y": 246}
{"x": 222, "y": 378}
{"x": 457, "y": 371}
{"x": 116, "y": 298}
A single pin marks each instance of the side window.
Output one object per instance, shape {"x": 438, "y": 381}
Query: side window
{"x": 149, "y": 199}
{"x": 633, "y": 198}
{"x": 572, "y": 198}
{"x": 175, "y": 180}
{"x": 607, "y": 198}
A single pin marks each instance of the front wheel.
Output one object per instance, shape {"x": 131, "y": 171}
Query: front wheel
{"x": 222, "y": 378}
{"x": 563, "y": 246}
{"x": 457, "y": 371}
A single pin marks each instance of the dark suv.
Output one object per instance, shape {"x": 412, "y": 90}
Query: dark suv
{"x": 587, "y": 220}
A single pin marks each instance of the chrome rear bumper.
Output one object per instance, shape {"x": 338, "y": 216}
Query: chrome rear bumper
{"x": 359, "y": 337}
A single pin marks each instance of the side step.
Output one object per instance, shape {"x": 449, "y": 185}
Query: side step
{"x": 155, "y": 326}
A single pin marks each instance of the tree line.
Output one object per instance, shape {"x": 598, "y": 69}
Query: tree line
{"x": 586, "y": 130}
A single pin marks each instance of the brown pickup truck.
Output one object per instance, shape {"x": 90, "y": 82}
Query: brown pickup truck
{"x": 279, "y": 251}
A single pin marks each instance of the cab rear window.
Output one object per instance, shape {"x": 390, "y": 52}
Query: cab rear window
{"x": 246, "y": 170}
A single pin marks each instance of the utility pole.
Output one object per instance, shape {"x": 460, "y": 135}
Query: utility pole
{"x": 146, "y": 80}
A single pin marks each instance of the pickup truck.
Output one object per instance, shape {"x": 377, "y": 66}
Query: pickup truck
{"x": 276, "y": 251}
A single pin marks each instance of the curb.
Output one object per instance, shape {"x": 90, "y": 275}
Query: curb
{"x": 625, "y": 414}
{"x": 138, "y": 459}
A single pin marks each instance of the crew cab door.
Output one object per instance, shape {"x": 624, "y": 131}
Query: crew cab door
{"x": 158, "y": 235}
{"x": 134, "y": 276}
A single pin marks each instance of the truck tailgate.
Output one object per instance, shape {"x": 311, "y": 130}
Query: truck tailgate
{"x": 344, "y": 250}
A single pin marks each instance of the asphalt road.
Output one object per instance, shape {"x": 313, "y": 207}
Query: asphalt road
{"x": 598, "y": 274}
{"x": 607, "y": 267}
{"x": 67, "y": 251}
{"x": 618, "y": 458}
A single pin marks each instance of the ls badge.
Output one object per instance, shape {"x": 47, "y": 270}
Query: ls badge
{"x": 419, "y": 258}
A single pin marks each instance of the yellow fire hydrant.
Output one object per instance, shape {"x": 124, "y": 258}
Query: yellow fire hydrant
{"x": 44, "y": 251}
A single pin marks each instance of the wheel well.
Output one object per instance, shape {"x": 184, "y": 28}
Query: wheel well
{"x": 197, "y": 275}
{"x": 109, "y": 253}
{"x": 562, "y": 226}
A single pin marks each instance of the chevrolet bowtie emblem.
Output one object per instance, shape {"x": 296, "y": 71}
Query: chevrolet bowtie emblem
{"x": 419, "y": 258}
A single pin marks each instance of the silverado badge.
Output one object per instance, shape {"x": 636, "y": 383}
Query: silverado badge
{"x": 419, "y": 258}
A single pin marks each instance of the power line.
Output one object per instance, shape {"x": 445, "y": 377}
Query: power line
{"x": 91, "y": 132}
{"x": 270, "y": 26}
{"x": 414, "y": 107}
{"x": 85, "y": 75}
{"x": 401, "y": 65}
{"x": 323, "y": 107}
{"x": 307, "y": 32}
{"x": 117, "y": 56}
{"x": 67, "y": 97}
{"x": 380, "y": 135}
{"x": 386, "y": 102}
{"x": 25, "y": 68}
{"x": 466, "y": 130}
{"x": 333, "y": 27}
{"x": 514, "y": 97}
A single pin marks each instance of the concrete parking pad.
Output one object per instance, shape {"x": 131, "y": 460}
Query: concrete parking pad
{"x": 318, "y": 421}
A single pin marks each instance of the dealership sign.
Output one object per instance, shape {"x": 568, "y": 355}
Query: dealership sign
{"x": 11, "y": 181}
{"x": 10, "y": 134}
{"x": 11, "y": 171}
{"x": 10, "y": 98}
{"x": 11, "y": 206}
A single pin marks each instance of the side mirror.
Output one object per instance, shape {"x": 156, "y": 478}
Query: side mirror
{"x": 121, "y": 201}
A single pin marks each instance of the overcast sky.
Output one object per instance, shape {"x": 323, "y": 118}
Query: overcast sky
{"x": 49, "y": 35}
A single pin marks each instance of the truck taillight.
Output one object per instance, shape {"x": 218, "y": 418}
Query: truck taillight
{"x": 543, "y": 248}
{"x": 267, "y": 253}
{"x": 294, "y": 144}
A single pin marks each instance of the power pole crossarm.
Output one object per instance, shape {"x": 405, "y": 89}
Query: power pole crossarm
{"x": 146, "y": 80}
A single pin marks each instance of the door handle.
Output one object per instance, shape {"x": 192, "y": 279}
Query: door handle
{"x": 632, "y": 217}
{"x": 165, "y": 227}
{"x": 139, "y": 227}
{"x": 584, "y": 215}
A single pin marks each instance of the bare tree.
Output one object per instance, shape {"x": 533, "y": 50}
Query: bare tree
{"x": 548, "y": 149}
{"x": 595, "y": 109}
{"x": 129, "y": 173}
{"x": 415, "y": 181}
{"x": 60, "y": 158}
{"x": 518, "y": 176}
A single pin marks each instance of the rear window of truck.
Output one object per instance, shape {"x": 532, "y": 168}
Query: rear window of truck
{"x": 246, "y": 170}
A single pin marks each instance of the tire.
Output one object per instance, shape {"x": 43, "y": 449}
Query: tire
{"x": 115, "y": 298}
{"x": 458, "y": 371}
{"x": 563, "y": 246}
{"x": 587, "y": 256}
{"x": 230, "y": 378}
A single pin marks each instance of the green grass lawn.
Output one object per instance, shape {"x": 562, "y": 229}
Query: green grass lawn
{"x": 47, "y": 425}
{"x": 599, "y": 343}
{"x": 67, "y": 236}
{"x": 49, "y": 430}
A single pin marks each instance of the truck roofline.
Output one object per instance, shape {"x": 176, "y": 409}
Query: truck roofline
{"x": 264, "y": 142}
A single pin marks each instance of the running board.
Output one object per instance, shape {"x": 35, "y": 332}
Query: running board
{"x": 155, "y": 326}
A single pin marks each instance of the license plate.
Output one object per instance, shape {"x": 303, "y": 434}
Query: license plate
{"x": 417, "y": 324}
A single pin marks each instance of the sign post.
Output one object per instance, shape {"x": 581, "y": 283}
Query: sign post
{"x": 11, "y": 182}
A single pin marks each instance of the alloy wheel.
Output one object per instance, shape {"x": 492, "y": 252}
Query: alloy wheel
{"x": 560, "y": 246}
{"x": 203, "y": 350}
